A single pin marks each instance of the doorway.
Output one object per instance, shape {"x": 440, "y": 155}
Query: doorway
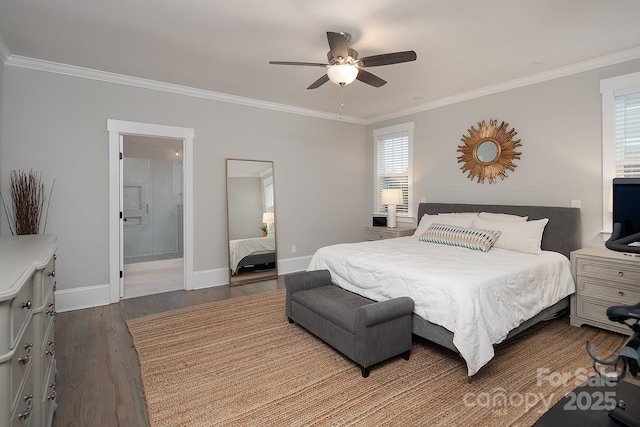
{"x": 119, "y": 131}
{"x": 152, "y": 215}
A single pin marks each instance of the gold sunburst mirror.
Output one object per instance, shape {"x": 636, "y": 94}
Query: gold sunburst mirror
{"x": 488, "y": 151}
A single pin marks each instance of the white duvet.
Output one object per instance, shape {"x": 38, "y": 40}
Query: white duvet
{"x": 479, "y": 296}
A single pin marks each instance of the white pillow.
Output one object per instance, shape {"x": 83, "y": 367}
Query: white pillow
{"x": 457, "y": 220}
{"x": 424, "y": 223}
{"x": 501, "y": 217}
{"x": 516, "y": 235}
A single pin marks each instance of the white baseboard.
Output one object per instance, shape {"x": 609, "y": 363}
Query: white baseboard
{"x": 79, "y": 298}
{"x": 291, "y": 265}
{"x": 94, "y": 296}
{"x": 209, "y": 278}
{"x": 220, "y": 276}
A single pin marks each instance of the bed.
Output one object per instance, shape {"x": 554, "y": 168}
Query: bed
{"x": 466, "y": 300}
{"x": 252, "y": 252}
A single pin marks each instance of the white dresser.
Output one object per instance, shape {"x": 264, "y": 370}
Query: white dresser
{"x": 27, "y": 315}
{"x": 603, "y": 278}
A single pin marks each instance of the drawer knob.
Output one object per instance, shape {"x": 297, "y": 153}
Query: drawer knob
{"x": 27, "y": 305}
{"x": 25, "y": 359}
{"x": 620, "y": 273}
{"x": 24, "y": 415}
{"x": 620, "y": 293}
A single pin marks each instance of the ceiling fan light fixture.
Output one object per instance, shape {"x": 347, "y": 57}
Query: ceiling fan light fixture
{"x": 342, "y": 74}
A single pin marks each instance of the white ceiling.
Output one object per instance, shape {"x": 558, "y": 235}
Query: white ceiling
{"x": 463, "y": 46}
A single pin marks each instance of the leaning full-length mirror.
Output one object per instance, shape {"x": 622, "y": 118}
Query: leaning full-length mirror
{"x": 251, "y": 221}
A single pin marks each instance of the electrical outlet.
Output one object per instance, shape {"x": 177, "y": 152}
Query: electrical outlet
{"x": 293, "y": 249}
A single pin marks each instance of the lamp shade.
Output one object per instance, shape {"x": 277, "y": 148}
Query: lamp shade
{"x": 392, "y": 196}
{"x": 267, "y": 217}
{"x": 342, "y": 74}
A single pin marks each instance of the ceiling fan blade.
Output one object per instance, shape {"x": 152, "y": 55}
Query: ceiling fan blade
{"x": 337, "y": 45}
{"x": 322, "y": 80}
{"x": 370, "y": 79}
{"x": 310, "y": 64}
{"x": 387, "y": 59}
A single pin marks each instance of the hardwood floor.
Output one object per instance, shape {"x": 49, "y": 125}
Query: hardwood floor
{"x": 98, "y": 377}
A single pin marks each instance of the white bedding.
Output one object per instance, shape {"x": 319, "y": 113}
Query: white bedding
{"x": 240, "y": 248}
{"x": 479, "y": 296}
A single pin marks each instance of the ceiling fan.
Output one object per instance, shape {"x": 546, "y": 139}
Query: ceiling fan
{"x": 344, "y": 66}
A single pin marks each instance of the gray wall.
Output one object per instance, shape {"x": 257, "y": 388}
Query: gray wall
{"x": 323, "y": 169}
{"x": 2, "y": 178}
{"x": 559, "y": 124}
{"x": 58, "y": 124}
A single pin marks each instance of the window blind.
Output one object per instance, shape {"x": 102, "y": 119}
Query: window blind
{"x": 393, "y": 168}
{"x": 627, "y": 135}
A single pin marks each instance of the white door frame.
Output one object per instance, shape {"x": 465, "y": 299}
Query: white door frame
{"x": 118, "y": 128}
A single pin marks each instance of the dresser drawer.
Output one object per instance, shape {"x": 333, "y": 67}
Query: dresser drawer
{"x": 609, "y": 270}
{"x": 48, "y": 355}
{"x": 22, "y": 361}
{"x": 26, "y": 405}
{"x": 593, "y": 309}
{"x": 379, "y": 235}
{"x": 21, "y": 307}
{"x": 46, "y": 318}
{"x": 48, "y": 277}
{"x": 48, "y": 403}
{"x": 614, "y": 293}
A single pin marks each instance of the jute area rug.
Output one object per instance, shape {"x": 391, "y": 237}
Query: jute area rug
{"x": 239, "y": 362}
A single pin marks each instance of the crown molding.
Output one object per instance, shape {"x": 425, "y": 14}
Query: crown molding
{"x": 104, "y": 76}
{"x": 71, "y": 70}
{"x": 592, "y": 64}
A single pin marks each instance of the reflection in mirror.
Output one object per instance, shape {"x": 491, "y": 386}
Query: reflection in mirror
{"x": 251, "y": 221}
{"x": 487, "y": 151}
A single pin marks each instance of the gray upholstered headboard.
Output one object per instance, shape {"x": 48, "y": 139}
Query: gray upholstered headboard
{"x": 562, "y": 233}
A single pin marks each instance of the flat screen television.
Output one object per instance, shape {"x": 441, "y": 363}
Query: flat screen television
{"x": 626, "y": 213}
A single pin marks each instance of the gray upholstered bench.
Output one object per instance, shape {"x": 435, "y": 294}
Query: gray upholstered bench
{"x": 365, "y": 331}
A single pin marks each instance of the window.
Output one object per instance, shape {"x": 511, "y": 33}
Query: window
{"x": 267, "y": 193}
{"x": 627, "y": 135}
{"x": 394, "y": 166}
{"x": 620, "y": 135}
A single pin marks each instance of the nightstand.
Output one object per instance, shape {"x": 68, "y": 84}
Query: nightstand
{"x": 380, "y": 233}
{"x": 603, "y": 278}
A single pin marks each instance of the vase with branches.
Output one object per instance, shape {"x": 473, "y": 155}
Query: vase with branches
{"x": 28, "y": 200}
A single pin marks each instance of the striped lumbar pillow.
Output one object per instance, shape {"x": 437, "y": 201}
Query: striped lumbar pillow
{"x": 471, "y": 238}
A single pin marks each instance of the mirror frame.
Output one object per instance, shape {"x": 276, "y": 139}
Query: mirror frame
{"x": 233, "y": 281}
{"x": 505, "y": 145}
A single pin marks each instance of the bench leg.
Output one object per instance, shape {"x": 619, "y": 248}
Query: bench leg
{"x": 365, "y": 372}
{"x": 405, "y": 355}
{"x": 290, "y": 319}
